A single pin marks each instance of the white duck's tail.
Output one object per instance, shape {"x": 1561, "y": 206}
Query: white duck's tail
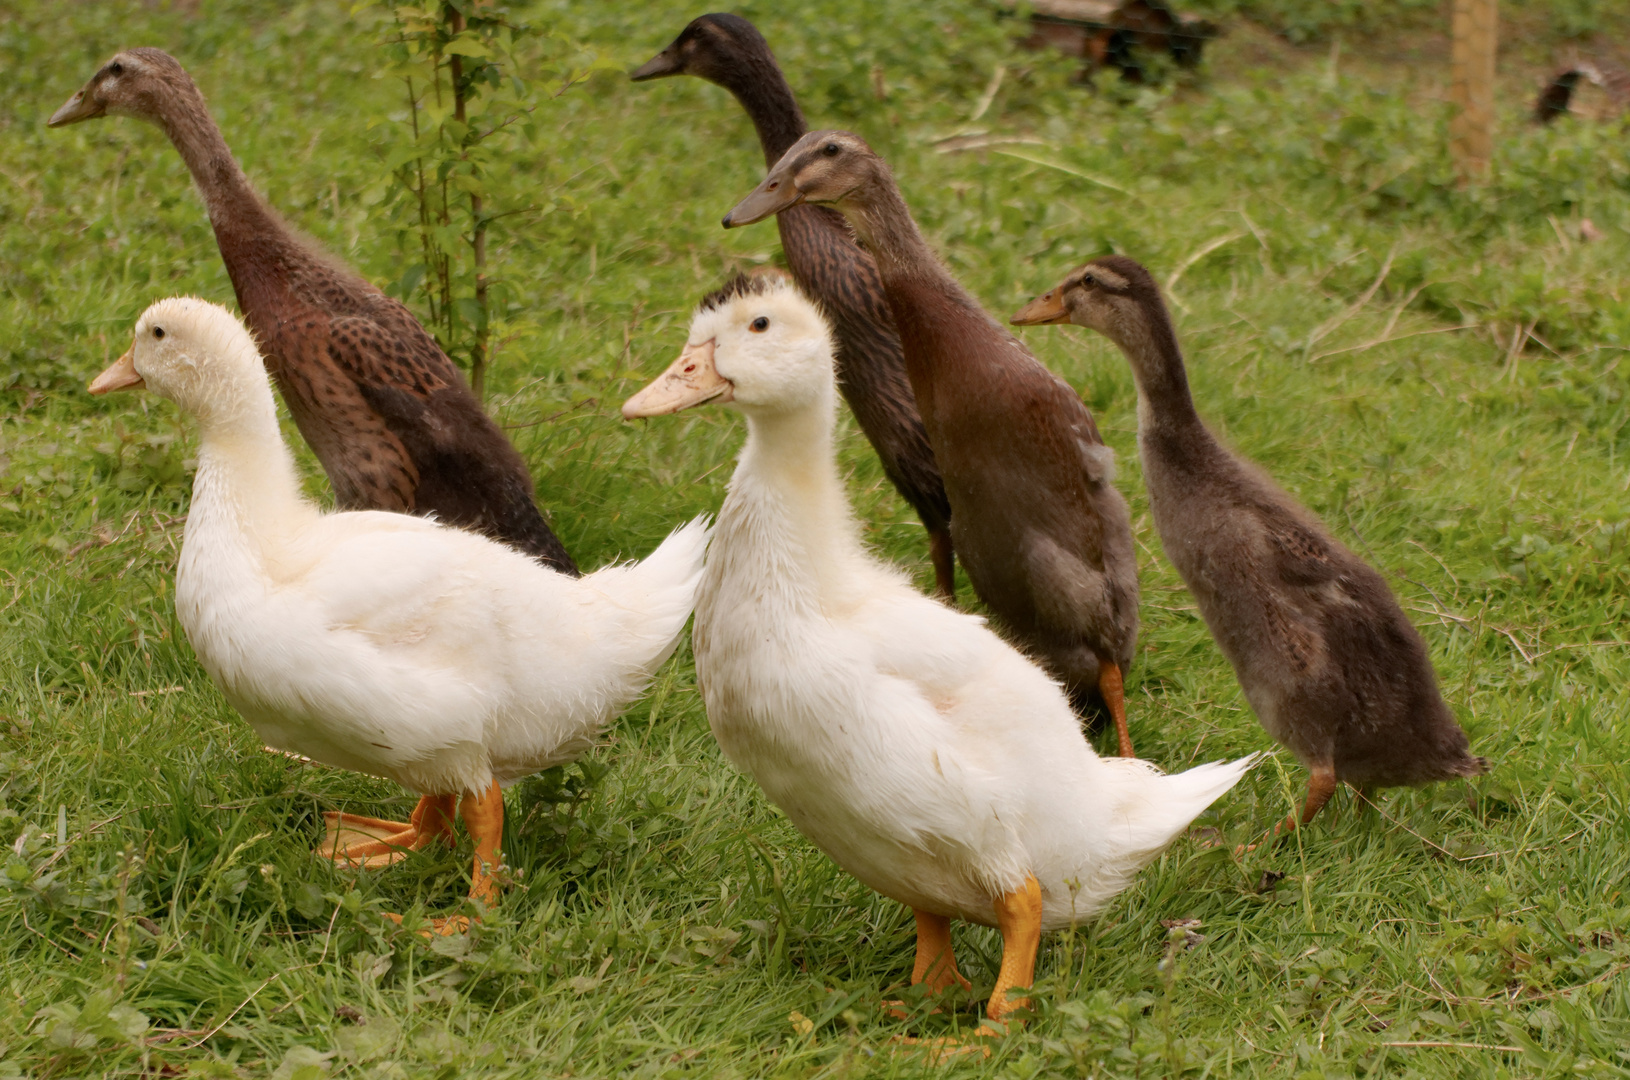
{"x": 1152, "y": 808}
{"x": 1136, "y": 811}
{"x": 653, "y": 597}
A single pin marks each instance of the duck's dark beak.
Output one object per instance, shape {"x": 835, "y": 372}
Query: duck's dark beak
{"x": 1044, "y": 309}
{"x": 691, "y": 380}
{"x": 120, "y": 375}
{"x": 660, "y": 66}
{"x": 775, "y": 194}
{"x": 82, "y": 106}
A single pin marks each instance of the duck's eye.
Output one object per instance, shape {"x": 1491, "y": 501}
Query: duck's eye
{"x": 759, "y": 325}
{"x": 831, "y": 149}
{"x": 116, "y": 68}
{"x": 158, "y": 332}
{"x": 1088, "y": 280}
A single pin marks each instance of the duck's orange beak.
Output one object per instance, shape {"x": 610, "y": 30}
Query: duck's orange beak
{"x": 1044, "y": 309}
{"x": 690, "y": 380}
{"x": 120, "y": 375}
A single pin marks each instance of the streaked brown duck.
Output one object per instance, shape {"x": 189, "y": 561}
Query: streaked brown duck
{"x": 387, "y": 413}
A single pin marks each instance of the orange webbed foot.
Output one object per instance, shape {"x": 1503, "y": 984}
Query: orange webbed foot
{"x": 941, "y": 1051}
{"x": 440, "y": 927}
{"x": 372, "y": 843}
{"x": 484, "y": 818}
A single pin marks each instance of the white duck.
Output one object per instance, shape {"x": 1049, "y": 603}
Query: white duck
{"x": 383, "y": 643}
{"x": 926, "y": 756}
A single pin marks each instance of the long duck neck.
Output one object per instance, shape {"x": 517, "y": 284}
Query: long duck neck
{"x": 756, "y": 81}
{"x": 246, "y": 475}
{"x": 936, "y": 318}
{"x": 237, "y": 214}
{"x": 789, "y": 471}
{"x": 1167, "y": 419}
{"x": 884, "y": 224}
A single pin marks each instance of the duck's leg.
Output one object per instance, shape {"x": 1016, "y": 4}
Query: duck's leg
{"x": 940, "y": 551}
{"x": 1114, "y": 695}
{"x": 484, "y": 818}
{"x": 936, "y": 969}
{"x": 936, "y": 961}
{"x": 354, "y": 840}
{"x": 1321, "y": 784}
{"x": 1018, "y": 916}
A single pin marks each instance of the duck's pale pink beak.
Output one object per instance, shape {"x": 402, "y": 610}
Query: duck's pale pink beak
{"x": 120, "y": 375}
{"x": 690, "y": 380}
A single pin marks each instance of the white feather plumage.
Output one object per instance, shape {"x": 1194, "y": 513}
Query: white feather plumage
{"x": 924, "y": 754}
{"x": 383, "y": 643}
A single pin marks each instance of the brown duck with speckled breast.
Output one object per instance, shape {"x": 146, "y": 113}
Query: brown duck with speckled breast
{"x": 1043, "y": 534}
{"x": 830, "y": 268}
{"x": 387, "y": 413}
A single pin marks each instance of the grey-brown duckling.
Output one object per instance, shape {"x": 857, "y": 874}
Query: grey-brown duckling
{"x": 1320, "y": 645}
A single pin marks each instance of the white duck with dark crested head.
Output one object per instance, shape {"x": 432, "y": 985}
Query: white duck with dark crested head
{"x": 1036, "y": 519}
{"x": 926, "y": 756}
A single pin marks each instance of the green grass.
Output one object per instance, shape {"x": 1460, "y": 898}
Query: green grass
{"x": 160, "y": 911}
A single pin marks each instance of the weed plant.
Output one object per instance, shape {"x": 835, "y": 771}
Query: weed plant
{"x": 1440, "y": 373}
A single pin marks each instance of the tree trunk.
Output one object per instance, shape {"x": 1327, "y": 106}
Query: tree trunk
{"x": 1471, "y": 87}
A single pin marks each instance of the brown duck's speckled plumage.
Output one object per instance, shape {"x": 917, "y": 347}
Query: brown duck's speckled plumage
{"x": 1036, "y": 520}
{"x": 829, "y": 267}
{"x": 1322, "y": 649}
{"x": 387, "y": 413}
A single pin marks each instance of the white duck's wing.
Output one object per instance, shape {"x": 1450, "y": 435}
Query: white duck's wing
{"x": 406, "y": 584}
{"x": 912, "y": 637}
{"x": 959, "y": 687}
{"x": 947, "y": 726}
{"x": 404, "y": 637}
{"x": 459, "y": 599}
{"x": 326, "y": 657}
{"x": 950, "y": 657}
